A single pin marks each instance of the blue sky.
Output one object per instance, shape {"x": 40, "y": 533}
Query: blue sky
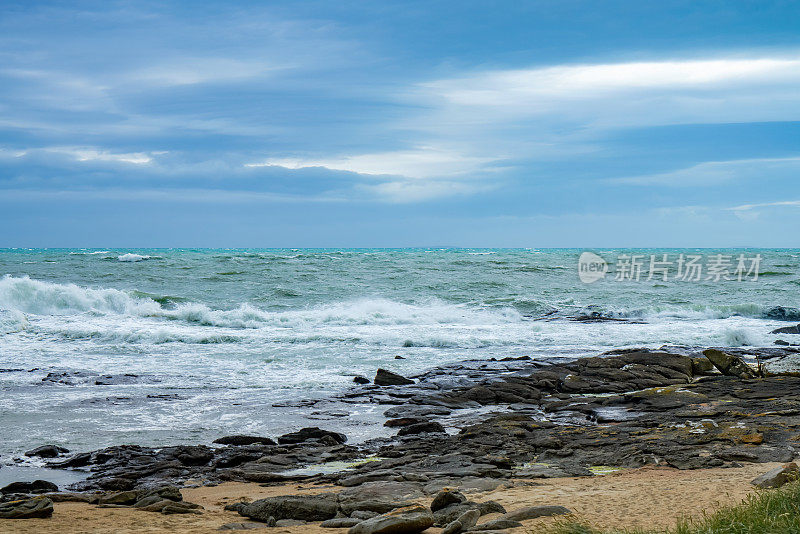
{"x": 430, "y": 123}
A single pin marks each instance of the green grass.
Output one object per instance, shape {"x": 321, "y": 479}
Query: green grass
{"x": 765, "y": 512}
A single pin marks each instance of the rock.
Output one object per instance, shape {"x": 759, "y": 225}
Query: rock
{"x": 181, "y": 508}
{"x": 781, "y": 313}
{"x": 408, "y": 520}
{"x": 702, "y": 367}
{"x": 37, "y": 486}
{"x": 532, "y": 512}
{"x": 445, "y": 498}
{"x": 153, "y": 505}
{"x": 497, "y": 524}
{"x": 172, "y": 493}
{"x": 72, "y": 497}
{"x": 728, "y": 364}
{"x": 306, "y": 434}
{"x": 243, "y": 526}
{"x": 363, "y": 514}
{"x": 787, "y": 330}
{"x": 240, "y": 440}
{"x": 79, "y": 460}
{"x": 469, "y": 519}
{"x": 388, "y": 378}
{"x": 358, "y": 379}
{"x": 38, "y": 507}
{"x": 403, "y": 421}
{"x": 419, "y": 428}
{"x": 777, "y": 477}
{"x": 47, "y": 451}
{"x": 124, "y": 498}
{"x": 340, "y": 522}
{"x": 306, "y": 508}
{"x": 289, "y": 523}
{"x": 454, "y": 527}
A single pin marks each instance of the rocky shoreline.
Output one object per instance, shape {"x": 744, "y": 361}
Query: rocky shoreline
{"x": 467, "y": 427}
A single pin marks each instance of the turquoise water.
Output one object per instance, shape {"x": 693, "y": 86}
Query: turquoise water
{"x": 217, "y": 337}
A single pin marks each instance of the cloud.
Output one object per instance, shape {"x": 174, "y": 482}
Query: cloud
{"x": 424, "y": 162}
{"x": 715, "y": 172}
{"x": 780, "y": 203}
{"x": 610, "y": 95}
{"x": 91, "y": 154}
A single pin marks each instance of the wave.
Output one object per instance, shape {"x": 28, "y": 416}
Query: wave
{"x": 94, "y": 253}
{"x": 46, "y": 298}
{"x": 12, "y": 321}
{"x": 132, "y": 257}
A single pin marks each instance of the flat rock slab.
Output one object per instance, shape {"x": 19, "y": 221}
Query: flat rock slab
{"x": 532, "y": 512}
{"x": 409, "y": 520}
{"x": 39, "y": 507}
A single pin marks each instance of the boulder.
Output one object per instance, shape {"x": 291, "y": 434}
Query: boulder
{"x": 729, "y": 364}
{"x": 360, "y": 379}
{"x": 379, "y": 496}
{"x": 305, "y": 434}
{"x": 240, "y": 440}
{"x": 37, "y": 486}
{"x": 787, "y": 330}
{"x": 469, "y": 519}
{"x": 388, "y": 378}
{"x": 497, "y": 524}
{"x": 124, "y": 498}
{"x": 777, "y": 477}
{"x": 532, "y": 512}
{"x": 403, "y": 421}
{"x": 445, "y": 498}
{"x": 38, "y": 507}
{"x": 420, "y": 428}
{"x": 243, "y": 526}
{"x": 340, "y": 522}
{"x": 47, "y": 451}
{"x": 453, "y": 528}
{"x": 702, "y": 367}
{"x": 408, "y": 520}
{"x": 180, "y": 508}
{"x": 306, "y": 508}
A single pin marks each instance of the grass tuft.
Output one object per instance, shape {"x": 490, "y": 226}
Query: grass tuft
{"x": 764, "y": 512}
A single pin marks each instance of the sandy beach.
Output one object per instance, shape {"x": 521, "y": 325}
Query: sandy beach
{"x": 648, "y": 497}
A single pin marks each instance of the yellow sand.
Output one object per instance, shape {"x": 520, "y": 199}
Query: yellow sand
{"x": 648, "y": 497}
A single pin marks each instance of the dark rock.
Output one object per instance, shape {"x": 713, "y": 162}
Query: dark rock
{"x": 777, "y": 477}
{"x": 124, "y": 498}
{"x": 702, "y": 367}
{"x": 240, "y": 440}
{"x": 306, "y": 434}
{"x": 781, "y": 313}
{"x": 38, "y": 507}
{"x": 408, "y": 520}
{"x": 47, "y": 451}
{"x": 420, "y": 428}
{"x": 388, "y": 378}
{"x": 340, "y": 522}
{"x": 445, "y": 498}
{"x": 532, "y": 512}
{"x": 787, "y": 330}
{"x": 497, "y": 524}
{"x": 172, "y": 493}
{"x": 244, "y": 526}
{"x": 180, "y": 508}
{"x": 79, "y": 460}
{"x": 728, "y": 364}
{"x": 306, "y": 508}
{"x": 360, "y": 379}
{"x": 469, "y": 518}
{"x": 403, "y": 421}
{"x": 37, "y": 486}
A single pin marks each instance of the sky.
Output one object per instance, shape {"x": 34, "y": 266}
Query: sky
{"x": 391, "y": 124}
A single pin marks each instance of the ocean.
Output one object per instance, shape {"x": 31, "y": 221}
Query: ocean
{"x": 164, "y": 346}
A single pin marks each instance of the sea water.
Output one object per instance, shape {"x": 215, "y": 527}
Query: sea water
{"x": 164, "y": 346}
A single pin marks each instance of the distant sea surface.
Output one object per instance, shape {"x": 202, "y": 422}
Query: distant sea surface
{"x": 164, "y": 346}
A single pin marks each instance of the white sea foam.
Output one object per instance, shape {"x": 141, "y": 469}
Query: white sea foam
{"x": 12, "y": 321}
{"x": 132, "y": 257}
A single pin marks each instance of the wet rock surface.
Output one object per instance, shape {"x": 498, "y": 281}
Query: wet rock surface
{"x": 475, "y": 426}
